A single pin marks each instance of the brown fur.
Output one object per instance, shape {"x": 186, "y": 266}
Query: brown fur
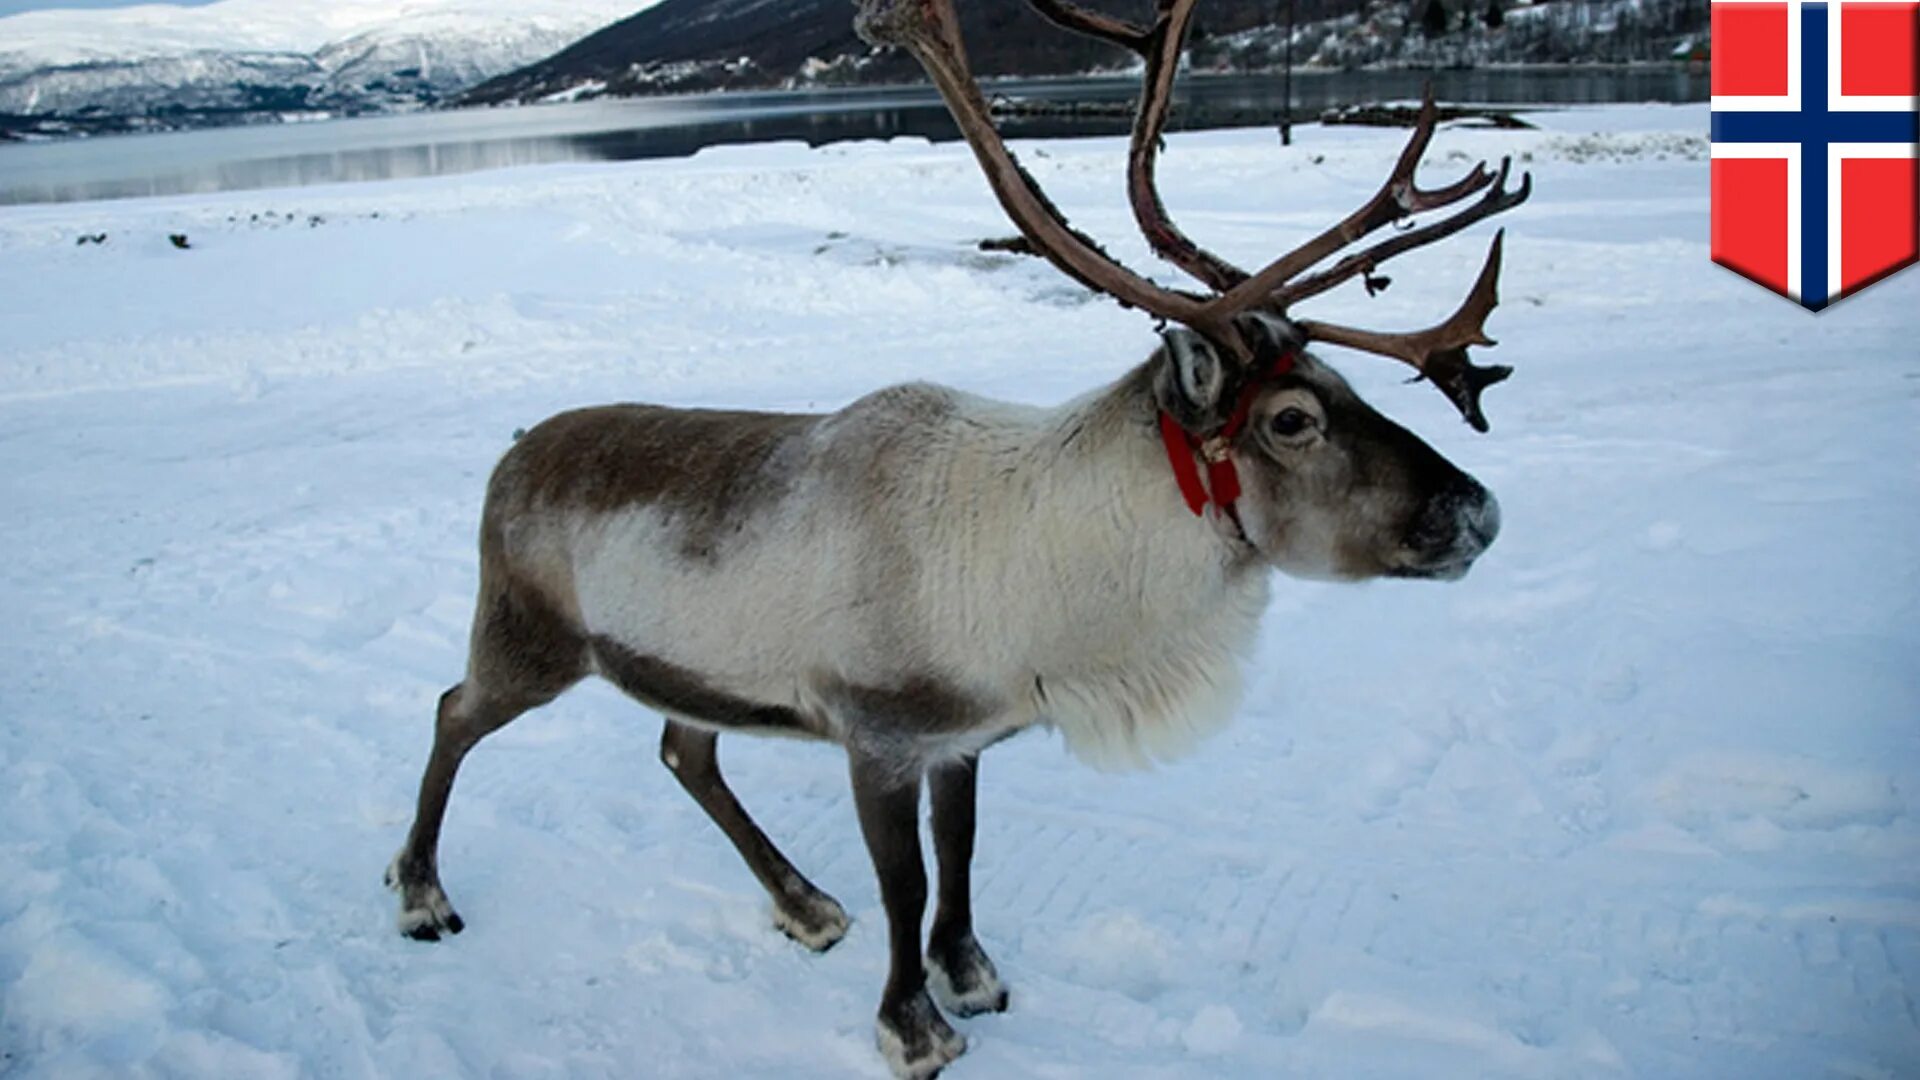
{"x": 673, "y": 689}
{"x": 527, "y": 644}
{"x": 711, "y": 469}
{"x": 930, "y": 705}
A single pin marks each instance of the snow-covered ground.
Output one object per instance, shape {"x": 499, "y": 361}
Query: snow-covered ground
{"x": 1639, "y": 797}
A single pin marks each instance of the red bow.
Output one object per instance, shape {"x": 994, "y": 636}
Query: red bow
{"x": 1223, "y": 480}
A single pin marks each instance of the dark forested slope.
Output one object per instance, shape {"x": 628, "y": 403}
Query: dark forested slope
{"x": 705, "y": 44}
{"x": 741, "y": 44}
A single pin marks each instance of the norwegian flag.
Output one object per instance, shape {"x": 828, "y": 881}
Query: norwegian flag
{"x": 1814, "y": 127}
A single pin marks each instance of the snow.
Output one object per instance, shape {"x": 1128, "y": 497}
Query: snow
{"x": 1636, "y": 798}
{"x": 236, "y": 58}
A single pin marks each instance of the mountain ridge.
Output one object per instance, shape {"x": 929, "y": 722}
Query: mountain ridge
{"x": 158, "y": 66}
{"x": 686, "y": 45}
{"x": 696, "y": 45}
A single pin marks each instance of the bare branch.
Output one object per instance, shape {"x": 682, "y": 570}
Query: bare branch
{"x": 1439, "y": 353}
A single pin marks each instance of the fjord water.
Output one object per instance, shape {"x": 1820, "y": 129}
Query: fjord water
{"x": 458, "y": 141}
{"x": 1635, "y": 799}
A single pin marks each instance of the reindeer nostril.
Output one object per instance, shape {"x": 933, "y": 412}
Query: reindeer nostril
{"x": 1483, "y": 520}
{"x": 1459, "y": 522}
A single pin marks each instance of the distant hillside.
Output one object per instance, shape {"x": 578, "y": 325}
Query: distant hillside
{"x": 688, "y": 45}
{"x": 710, "y": 44}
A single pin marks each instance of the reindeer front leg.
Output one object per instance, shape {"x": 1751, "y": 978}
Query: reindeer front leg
{"x": 914, "y": 1037}
{"x": 963, "y": 978}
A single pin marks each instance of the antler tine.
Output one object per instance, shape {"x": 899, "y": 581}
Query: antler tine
{"x": 1400, "y": 185}
{"x": 1439, "y": 353}
{"x": 929, "y": 30}
{"x": 1397, "y": 198}
{"x": 1071, "y": 16}
{"x": 1496, "y": 200}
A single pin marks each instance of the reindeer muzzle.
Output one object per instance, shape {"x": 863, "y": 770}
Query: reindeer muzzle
{"x": 1455, "y": 526}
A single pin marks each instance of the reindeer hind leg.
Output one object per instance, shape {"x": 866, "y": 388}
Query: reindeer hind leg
{"x": 803, "y": 912}
{"x": 524, "y": 654}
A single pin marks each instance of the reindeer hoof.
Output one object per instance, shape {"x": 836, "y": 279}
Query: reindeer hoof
{"x": 991, "y": 997}
{"x": 818, "y": 922}
{"x": 425, "y": 913}
{"x": 964, "y": 980}
{"x": 429, "y": 930}
{"x": 917, "y": 1042}
{"x": 429, "y": 921}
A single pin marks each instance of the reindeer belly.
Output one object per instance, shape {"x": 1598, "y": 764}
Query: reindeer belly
{"x": 724, "y": 643}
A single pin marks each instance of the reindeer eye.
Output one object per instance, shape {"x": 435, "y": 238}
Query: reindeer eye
{"x": 1289, "y": 422}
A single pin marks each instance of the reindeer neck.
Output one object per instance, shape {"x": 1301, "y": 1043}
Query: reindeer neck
{"x": 1140, "y": 613}
{"x": 1122, "y": 459}
{"x": 1102, "y": 477}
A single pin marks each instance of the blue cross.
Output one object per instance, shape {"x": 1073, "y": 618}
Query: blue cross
{"x": 1813, "y": 127}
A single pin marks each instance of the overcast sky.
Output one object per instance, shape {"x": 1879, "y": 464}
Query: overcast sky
{"x": 11, "y": 7}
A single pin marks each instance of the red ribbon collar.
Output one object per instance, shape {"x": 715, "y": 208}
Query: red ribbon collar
{"x": 1222, "y": 485}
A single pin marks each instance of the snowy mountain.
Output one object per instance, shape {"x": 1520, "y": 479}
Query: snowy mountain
{"x": 236, "y": 60}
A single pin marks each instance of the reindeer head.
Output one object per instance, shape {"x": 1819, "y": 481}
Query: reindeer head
{"x": 1331, "y": 488}
{"x": 1328, "y": 487}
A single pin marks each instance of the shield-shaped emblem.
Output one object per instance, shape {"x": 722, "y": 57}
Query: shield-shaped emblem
{"x": 1814, "y": 128}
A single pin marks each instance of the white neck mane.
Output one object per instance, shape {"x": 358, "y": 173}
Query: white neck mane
{"x": 1145, "y": 612}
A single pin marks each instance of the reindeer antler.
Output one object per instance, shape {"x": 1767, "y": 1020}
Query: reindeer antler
{"x": 1439, "y": 353}
{"x": 930, "y": 31}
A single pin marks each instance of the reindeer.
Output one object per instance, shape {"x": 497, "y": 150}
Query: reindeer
{"x": 924, "y": 572}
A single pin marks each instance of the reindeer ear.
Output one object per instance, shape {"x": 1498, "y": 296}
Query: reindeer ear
{"x": 1190, "y": 380}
